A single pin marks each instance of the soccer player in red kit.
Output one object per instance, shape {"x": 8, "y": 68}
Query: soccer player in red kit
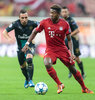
{"x": 56, "y": 29}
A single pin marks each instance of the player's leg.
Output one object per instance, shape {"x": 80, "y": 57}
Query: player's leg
{"x": 30, "y": 69}
{"x": 65, "y": 57}
{"x": 80, "y": 64}
{"x": 48, "y": 61}
{"x": 22, "y": 62}
{"x": 77, "y": 54}
{"x": 29, "y": 59}
{"x": 69, "y": 75}
{"x": 79, "y": 79}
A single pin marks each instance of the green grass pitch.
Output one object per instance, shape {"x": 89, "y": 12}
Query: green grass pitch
{"x": 12, "y": 81}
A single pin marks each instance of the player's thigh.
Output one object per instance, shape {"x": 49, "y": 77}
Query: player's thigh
{"x": 30, "y": 52}
{"x": 49, "y": 59}
{"x": 29, "y": 55}
{"x": 21, "y": 58}
{"x": 48, "y": 62}
{"x": 65, "y": 58}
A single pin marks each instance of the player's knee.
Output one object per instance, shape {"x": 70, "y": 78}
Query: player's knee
{"x": 29, "y": 61}
{"x": 47, "y": 64}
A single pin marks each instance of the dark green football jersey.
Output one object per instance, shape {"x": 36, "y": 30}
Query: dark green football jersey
{"x": 22, "y": 33}
{"x": 72, "y": 23}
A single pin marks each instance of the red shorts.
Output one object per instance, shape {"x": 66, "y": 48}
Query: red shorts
{"x": 63, "y": 54}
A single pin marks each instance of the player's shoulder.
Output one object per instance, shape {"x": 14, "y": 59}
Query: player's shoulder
{"x": 71, "y": 19}
{"x": 32, "y": 22}
{"x": 17, "y": 21}
{"x": 63, "y": 21}
{"x": 14, "y": 23}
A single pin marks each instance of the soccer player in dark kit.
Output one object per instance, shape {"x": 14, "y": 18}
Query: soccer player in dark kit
{"x": 75, "y": 39}
{"x": 56, "y": 29}
{"x": 23, "y": 28}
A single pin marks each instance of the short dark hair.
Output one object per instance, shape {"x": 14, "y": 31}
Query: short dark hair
{"x": 22, "y": 11}
{"x": 56, "y": 7}
{"x": 64, "y": 7}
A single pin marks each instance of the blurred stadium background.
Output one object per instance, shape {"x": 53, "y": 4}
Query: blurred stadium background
{"x": 83, "y": 13}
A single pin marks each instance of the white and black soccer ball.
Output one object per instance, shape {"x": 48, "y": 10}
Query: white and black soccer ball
{"x": 41, "y": 88}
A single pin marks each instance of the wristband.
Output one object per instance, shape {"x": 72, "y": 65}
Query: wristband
{"x": 27, "y": 43}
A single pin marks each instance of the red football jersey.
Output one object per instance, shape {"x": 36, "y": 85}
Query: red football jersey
{"x": 54, "y": 33}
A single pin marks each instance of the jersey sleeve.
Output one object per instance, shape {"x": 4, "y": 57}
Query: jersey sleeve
{"x": 40, "y": 27}
{"x": 35, "y": 24}
{"x": 73, "y": 25}
{"x": 68, "y": 30}
{"x": 10, "y": 27}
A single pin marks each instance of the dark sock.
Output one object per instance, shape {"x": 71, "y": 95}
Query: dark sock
{"x": 53, "y": 75}
{"x": 81, "y": 67}
{"x": 24, "y": 71}
{"x": 30, "y": 71}
{"x": 79, "y": 78}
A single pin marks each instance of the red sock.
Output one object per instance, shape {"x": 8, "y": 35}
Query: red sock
{"x": 51, "y": 71}
{"x": 79, "y": 78}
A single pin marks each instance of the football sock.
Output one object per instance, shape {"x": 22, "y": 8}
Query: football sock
{"x": 24, "y": 71}
{"x": 51, "y": 71}
{"x": 81, "y": 67}
{"x": 30, "y": 71}
{"x": 79, "y": 78}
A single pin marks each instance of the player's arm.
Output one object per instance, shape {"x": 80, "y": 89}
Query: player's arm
{"x": 74, "y": 27}
{"x": 7, "y": 30}
{"x": 76, "y": 31}
{"x": 39, "y": 28}
{"x": 6, "y": 35}
{"x": 70, "y": 45}
{"x": 31, "y": 37}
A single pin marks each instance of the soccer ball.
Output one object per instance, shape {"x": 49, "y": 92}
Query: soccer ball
{"x": 41, "y": 88}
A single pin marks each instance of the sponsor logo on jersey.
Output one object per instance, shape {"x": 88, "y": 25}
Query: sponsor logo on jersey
{"x": 51, "y": 34}
{"x": 24, "y": 36}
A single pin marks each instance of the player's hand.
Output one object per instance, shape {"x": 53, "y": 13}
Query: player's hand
{"x": 73, "y": 56}
{"x": 25, "y": 48}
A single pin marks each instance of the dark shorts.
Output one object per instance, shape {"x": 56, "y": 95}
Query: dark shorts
{"x": 75, "y": 46}
{"x": 22, "y": 56}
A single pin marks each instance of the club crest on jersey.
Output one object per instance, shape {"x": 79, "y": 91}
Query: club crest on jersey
{"x": 49, "y": 28}
{"x": 30, "y": 27}
{"x": 60, "y": 28}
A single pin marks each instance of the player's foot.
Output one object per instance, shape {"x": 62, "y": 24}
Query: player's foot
{"x": 70, "y": 75}
{"x": 31, "y": 84}
{"x": 60, "y": 87}
{"x": 83, "y": 76}
{"x": 87, "y": 91}
{"x": 26, "y": 84}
